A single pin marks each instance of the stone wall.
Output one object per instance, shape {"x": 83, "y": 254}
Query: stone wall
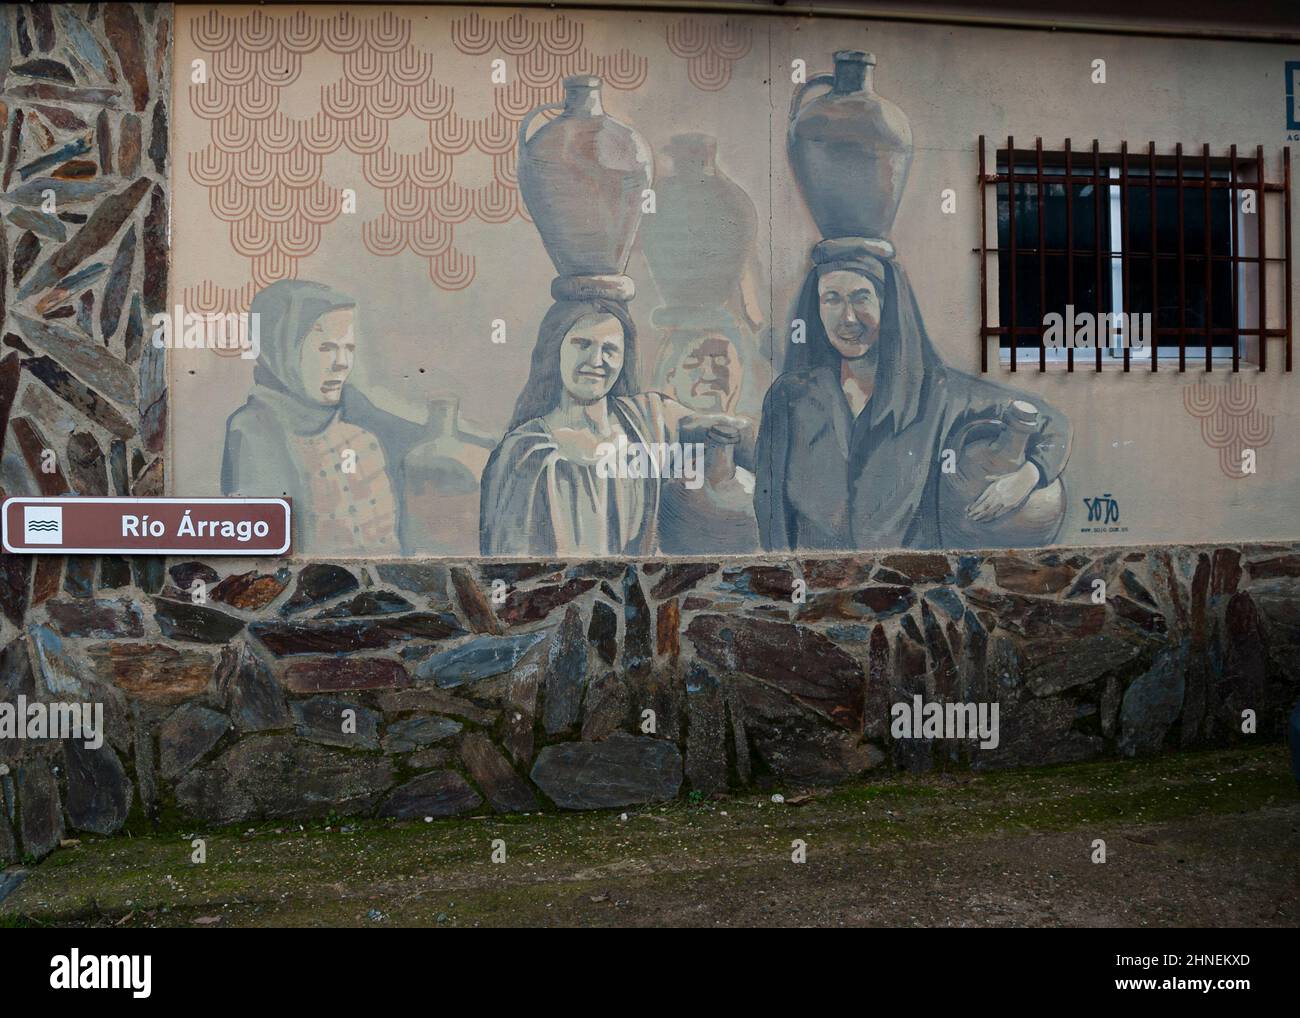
{"x": 518, "y": 686}
{"x": 84, "y": 92}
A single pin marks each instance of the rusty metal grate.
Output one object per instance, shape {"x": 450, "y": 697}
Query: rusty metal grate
{"x": 1109, "y": 181}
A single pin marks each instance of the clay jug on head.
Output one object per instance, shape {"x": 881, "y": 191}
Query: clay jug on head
{"x": 986, "y": 450}
{"x": 582, "y": 177}
{"x": 850, "y": 150}
{"x": 701, "y": 236}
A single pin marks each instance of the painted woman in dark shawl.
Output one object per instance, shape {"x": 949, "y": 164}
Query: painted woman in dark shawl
{"x": 306, "y": 433}
{"x": 543, "y": 491}
{"x": 853, "y": 432}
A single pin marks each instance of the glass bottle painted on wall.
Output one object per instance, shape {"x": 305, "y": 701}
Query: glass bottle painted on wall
{"x": 984, "y": 451}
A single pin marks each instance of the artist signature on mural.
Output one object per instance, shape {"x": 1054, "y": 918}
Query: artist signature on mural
{"x": 1104, "y": 511}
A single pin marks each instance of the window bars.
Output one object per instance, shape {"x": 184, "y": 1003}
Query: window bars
{"x": 1122, "y": 187}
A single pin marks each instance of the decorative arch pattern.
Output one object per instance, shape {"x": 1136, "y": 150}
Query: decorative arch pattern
{"x": 1231, "y": 420}
{"x": 711, "y": 49}
{"x": 265, "y": 171}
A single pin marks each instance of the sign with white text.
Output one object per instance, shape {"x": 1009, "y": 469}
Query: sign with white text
{"x": 147, "y": 526}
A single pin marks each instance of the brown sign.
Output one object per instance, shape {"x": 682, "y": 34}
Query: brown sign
{"x": 147, "y": 526}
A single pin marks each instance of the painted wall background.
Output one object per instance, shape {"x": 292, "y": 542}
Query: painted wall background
{"x": 424, "y": 319}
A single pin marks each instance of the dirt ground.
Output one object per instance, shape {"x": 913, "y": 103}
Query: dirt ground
{"x": 1209, "y": 839}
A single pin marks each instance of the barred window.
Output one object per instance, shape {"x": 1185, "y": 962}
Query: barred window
{"x": 1135, "y": 257}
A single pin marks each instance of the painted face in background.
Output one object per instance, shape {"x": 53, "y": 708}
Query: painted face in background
{"x": 327, "y": 355}
{"x": 591, "y": 357}
{"x": 708, "y": 376}
{"x": 850, "y": 312}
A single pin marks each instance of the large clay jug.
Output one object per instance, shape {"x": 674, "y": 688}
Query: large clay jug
{"x": 583, "y": 178}
{"x": 440, "y": 495}
{"x": 850, "y": 150}
{"x": 702, "y": 235}
{"x": 986, "y": 450}
{"x": 717, "y": 518}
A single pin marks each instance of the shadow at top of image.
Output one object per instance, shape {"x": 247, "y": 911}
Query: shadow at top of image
{"x": 1265, "y": 20}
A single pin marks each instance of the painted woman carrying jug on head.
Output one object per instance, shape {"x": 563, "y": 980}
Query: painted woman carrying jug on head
{"x": 583, "y": 178}
{"x": 851, "y": 447}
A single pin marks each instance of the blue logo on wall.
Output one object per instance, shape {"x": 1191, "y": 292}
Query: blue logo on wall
{"x": 1104, "y": 510}
{"x": 1103, "y": 515}
{"x": 1293, "y": 95}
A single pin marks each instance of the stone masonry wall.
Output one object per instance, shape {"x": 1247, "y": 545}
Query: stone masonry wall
{"x": 517, "y": 686}
{"x": 84, "y": 94}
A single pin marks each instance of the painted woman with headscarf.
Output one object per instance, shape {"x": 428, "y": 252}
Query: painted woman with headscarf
{"x": 305, "y": 433}
{"x": 544, "y": 491}
{"x": 851, "y": 443}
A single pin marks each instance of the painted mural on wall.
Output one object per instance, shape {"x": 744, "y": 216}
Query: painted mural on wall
{"x": 854, "y": 432}
{"x": 846, "y": 449}
{"x": 591, "y": 458}
{"x": 598, "y": 355}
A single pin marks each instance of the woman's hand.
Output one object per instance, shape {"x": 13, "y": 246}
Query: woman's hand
{"x": 1005, "y": 494}
{"x": 714, "y": 429}
{"x": 579, "y": 445}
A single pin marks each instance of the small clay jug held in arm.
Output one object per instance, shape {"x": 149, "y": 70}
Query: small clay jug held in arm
{"x": 583, "y": 178}
{"x": 850, "y": 151}
{"x": 985, "y": 451}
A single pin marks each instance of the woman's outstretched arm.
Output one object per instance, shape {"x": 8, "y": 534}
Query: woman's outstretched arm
{"x": 255, "y": 462}
{"x": 687, "y": 425}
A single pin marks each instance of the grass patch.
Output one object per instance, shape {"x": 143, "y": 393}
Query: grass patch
{"x": 315, "y": 871}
